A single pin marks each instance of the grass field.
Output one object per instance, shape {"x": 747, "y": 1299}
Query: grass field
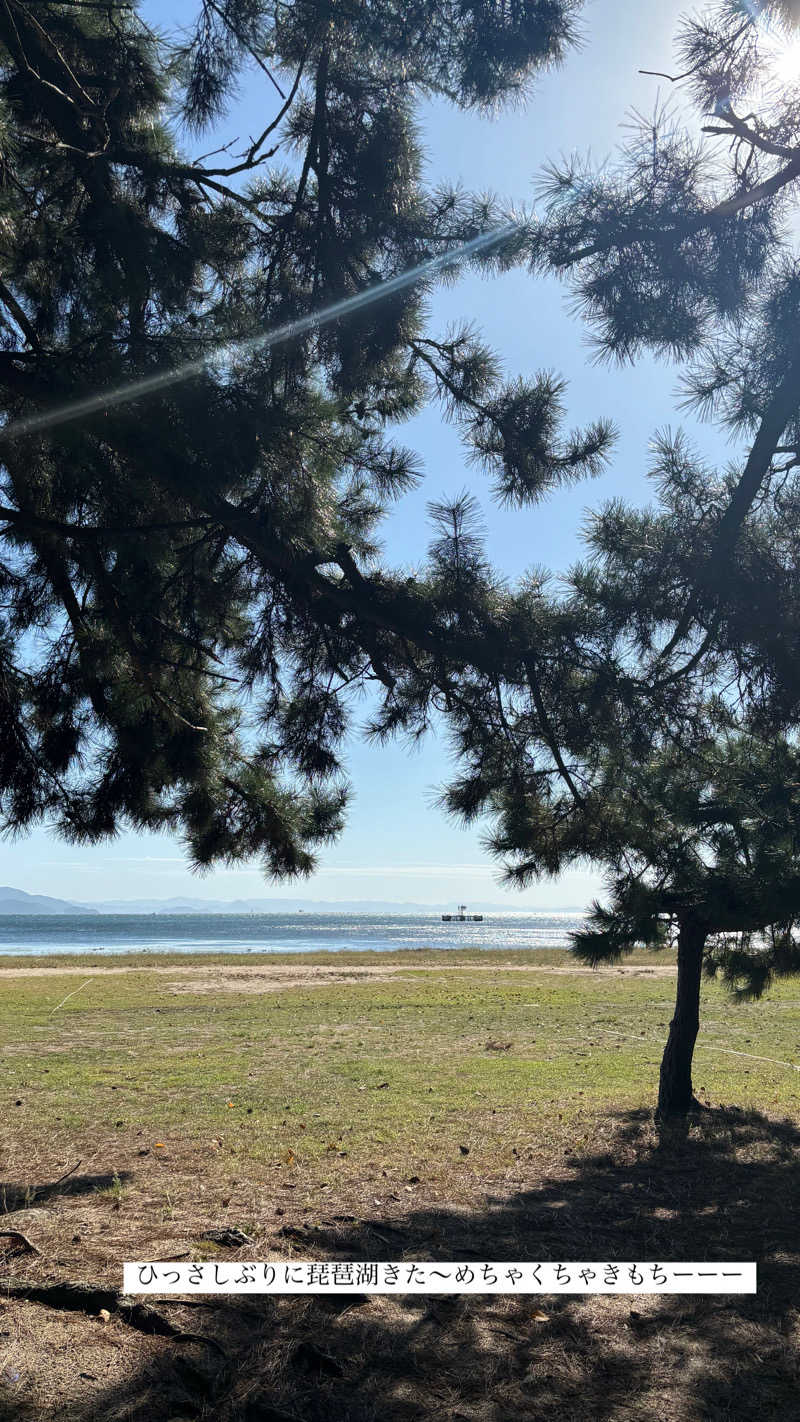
{"x": 363, "y": 1106}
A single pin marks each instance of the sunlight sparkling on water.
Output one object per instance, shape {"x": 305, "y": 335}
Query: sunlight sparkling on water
{"x": 278, "y": 933}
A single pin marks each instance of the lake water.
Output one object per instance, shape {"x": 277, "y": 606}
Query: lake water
{"x": 277, "y": 933}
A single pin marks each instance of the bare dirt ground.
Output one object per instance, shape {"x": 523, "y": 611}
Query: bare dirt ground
{"x": 723, "y": 1188}
{"x": 547, "y": 1175}
{"x": 307, "y": 975}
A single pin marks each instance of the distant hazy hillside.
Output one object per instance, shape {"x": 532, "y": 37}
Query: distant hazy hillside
{"x": 310, "y": 906}
{"x": 16, "y": 902}
{"x": 206, "y": 906}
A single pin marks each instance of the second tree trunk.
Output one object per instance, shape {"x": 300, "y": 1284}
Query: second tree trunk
{"x": 675, "y": 1095}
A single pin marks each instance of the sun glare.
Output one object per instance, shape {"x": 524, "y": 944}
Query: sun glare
{"x": 785, "y": 65}
{"x": 776, "y": 73}
{"x": 779, "y": 48}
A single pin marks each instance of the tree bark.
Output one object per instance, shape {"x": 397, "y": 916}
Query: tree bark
{"x": 675, "y": 1095}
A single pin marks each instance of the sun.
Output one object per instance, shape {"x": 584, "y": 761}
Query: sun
{"x": 775, "y": 75}
{"x": 785, "y": 62}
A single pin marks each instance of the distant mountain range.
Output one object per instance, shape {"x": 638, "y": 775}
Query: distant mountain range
{"x": 15, "y": 901}
{"x": 182, "y": 905}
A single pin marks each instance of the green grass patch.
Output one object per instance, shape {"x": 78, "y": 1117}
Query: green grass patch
{"x": 339, "y": 1074}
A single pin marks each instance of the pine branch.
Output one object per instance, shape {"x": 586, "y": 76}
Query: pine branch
{"x": 740, "y": 129}
{"x": 226, "y": 20}
{"x": 28, "y": 519}
{"x": 677, "y": 231}
{"x": 549, "y": 734}
{"x": 780, "y": 410}
{"x": 254, "y": 157}
{"x": 9, "y": 300}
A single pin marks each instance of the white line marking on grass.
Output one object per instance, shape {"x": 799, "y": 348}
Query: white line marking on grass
{"x": 69, "y": 995}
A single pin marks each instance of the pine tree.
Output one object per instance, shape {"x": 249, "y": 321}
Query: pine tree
{"x": 702, "y": 851}
{"x": 191, "y": 587}
{"x": 652, "y": 729}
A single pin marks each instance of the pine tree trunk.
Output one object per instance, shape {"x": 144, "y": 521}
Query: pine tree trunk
{"x": 675, "y": 1096}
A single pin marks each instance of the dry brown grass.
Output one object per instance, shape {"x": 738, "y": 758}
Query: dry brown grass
{"x": 564, "y": 1163}
{"x": 726, "y": 1187}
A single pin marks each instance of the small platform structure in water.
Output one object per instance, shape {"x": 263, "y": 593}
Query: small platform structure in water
{"x": 462, "y": 916}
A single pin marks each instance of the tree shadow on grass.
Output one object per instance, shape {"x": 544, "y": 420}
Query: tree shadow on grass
{"x": 725, "y": 1187}
{"x": 15, "y": 1195}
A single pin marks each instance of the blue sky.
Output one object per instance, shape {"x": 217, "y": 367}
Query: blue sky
{"x": 397, "y": 845}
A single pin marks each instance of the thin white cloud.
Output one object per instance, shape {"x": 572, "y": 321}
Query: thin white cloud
{"x": 428, "y": 871}
{"x": 484, "y": 869}
{"x": 330, "y": 870}
{"x": 149, "y": 859}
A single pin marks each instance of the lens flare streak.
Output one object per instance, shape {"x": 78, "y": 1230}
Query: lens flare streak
{"x": 163, "y": 380}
